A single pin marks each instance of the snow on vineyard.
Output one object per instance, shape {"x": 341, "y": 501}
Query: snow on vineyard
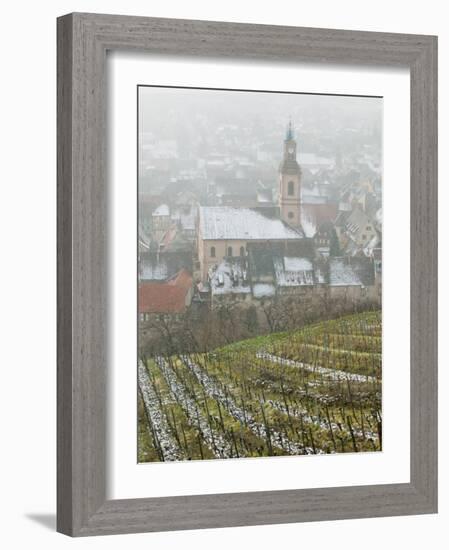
{"x": 312, "y": 391}
{"x": 335, "y": 374}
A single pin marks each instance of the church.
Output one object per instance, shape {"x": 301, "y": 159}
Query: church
{"x": 290, "y": 183}
{"x": 248, "y": 254}
{"x": 228, "y": 232}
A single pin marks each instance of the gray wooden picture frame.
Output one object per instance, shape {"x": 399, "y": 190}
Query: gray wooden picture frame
{"x": 83, "y": 40}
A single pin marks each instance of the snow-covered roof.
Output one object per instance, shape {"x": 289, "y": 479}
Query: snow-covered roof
{"x": 344, "y": 207}
{"x": 261, "y": 290}
{"x": 341, "y": 273}
{"x": 187, "y": 219}
{"x": 291, "y": 271}
{"x": 371, "y": 245}
{"x": 162, "y": 210}
{"x": 308, "y": 224}
{"x": 229, "y": 277}
{"x": 379, "y": 216}
{"x": 264, "y": 196}
{"x": 153, "y": 269}
{"x": 357, "y": 221}
{"x": 297, "y": 264}
{"x": 144, "y": 245}
{"x": 312, "y": 159}
{"x": 144, "y": 240}
{"x": 222, "y": 222}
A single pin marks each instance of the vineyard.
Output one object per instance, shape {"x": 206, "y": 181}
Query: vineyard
{"x": 312, "y": 391}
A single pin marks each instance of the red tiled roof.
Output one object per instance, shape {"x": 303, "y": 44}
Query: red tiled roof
{"x": 182, "y": 279}
{"x": 169, "y": 297}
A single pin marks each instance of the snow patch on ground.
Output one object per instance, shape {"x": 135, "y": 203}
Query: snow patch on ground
{"x": 216, "y": 443}
{"x": 333, "y": 374}
{"x": 166, "y": 442}
{"x": 214, "y": 390}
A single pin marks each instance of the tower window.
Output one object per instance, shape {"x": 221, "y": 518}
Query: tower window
{"x": 212, "y": 251}
{"x": 229, "y": 250}
{"x": 291, "y": 188}
{"x": 242, "y": 251}
{"x": 290, "y": 215}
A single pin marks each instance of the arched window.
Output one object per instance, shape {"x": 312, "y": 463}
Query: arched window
{"x": 229, "y": 250}
{"x": 290, "y": 215}
{"x": 212, "y": 251}
{"x": 291, "y": 188}
{"x": 242, "y": 251}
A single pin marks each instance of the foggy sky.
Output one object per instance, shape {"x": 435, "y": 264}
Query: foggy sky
{"x": 161, "y": 110}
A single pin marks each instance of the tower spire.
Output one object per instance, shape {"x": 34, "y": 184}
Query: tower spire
{"x": 289, "y": 134}
{"x": 290, "y": 181}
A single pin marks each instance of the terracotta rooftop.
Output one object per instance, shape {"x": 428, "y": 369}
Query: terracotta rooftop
{"x": 182, "y": 279}
{"x": 167, "y": 297}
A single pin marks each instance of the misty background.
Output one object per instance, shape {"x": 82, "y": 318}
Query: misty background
{"x": 197, "y": 125}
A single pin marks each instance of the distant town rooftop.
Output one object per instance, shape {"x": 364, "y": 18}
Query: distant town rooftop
{"x": 218, "y": 222}
{"x": 162, "y": 210}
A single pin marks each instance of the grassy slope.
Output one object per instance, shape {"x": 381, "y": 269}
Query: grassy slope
{"x": 356, "y": 324}
{"x": 351, "y": 343}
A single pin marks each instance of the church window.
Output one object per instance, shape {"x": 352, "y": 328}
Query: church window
{"x": 212, "y": 251}
{"x": 291, "y": 188}
{"x": 290, "y": 215}
{"x": 229, "y": 250}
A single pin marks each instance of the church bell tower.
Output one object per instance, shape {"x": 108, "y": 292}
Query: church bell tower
{"x": 290, "y": 182}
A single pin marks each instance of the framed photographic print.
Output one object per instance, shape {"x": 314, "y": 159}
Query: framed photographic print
{"x": 246, "y": 274}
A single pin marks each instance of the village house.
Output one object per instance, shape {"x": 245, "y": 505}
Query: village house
{"x": 161, "y": 218}
{"x": 225, "y": 232}
{"x": 353, "y": 278}
{"x": 252, "y": 250}
{"x": 356, "y": 232}
{"x": 165, "y": 297}
{"x": 272, "y": 270}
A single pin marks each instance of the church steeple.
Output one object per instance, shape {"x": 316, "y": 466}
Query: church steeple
{"x": 289, "y": 136}
{"x": 289, "y": 163}
{"x": 290, "y": 181}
